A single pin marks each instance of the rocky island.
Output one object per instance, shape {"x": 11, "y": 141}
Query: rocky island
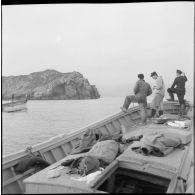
{"x": 48, "y": 85}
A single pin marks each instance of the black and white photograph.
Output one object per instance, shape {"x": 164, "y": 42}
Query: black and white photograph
{"x": 97, "y": 97}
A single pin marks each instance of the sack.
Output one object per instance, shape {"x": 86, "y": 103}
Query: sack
{"x": 170, "y": 116}
{"x": 105, "y": 150}
{"x": 91, "y": 137}
{"x": 159, "y": 120}
{"x": 29, "y": 162}
{"x": 158, "y": 144}
{"x": 88, "y": 164}
{"x": 87, "y": 141}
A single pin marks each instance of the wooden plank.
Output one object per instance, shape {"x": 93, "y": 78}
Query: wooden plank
{"x": 13, "y": 188}
{"x": 108, "y": 171}
{"x": 62, "y": 148}
{"x": 31, "y": 188}
{"x": 67, "y": 148}
{"x": 19, "y": 182}
{"x": 13, "y": 163}
{"x": 104, "y": 130}
{"x": 126, "y": 120}
{"x": 123, "y": 122}
{"x": 49, "y": 157}
{"x": 75, "y": 142}
{"x": 114, "y": 128}
{"x": 54, "y": 155}
{"x": 107, "y": 129}
{"x": 7, "y": 174}
{"x": 40, "y": 154}
{"x": 172, "y": 185}
{"x": 110, "y": 128}
{"x": 58, "y": 153}
{"x": 116, "y": 124}
{"x": 15, "y": 178}
{"x": 174, "y": 181}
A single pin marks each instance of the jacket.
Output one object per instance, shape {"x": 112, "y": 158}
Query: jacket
{"x": 142, "y": 90}
{"x": 159, "y": 86}
{"x": 157, "y": 144}
{"x": 180, "y": 84}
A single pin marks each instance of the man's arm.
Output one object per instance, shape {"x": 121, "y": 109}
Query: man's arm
{"x": 174, "y": 83}
{"x": 158, "y": 83}
{"x": 185, "y": 76}
{"x": 136, "y": 88}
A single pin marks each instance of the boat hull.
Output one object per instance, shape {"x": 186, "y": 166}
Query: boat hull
{"x": 60, "y": 146}
{"x": 14, "y": 106}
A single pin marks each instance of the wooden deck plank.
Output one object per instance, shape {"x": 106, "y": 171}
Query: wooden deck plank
{"x": 13, "y": 179}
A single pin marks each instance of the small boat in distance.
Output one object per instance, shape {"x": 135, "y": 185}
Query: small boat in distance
{"x": 14, "y": 106}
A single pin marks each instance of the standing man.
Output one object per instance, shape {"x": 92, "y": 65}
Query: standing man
{"x": 141, "y": 91}
{"x": 159, "y": 93}
{"x": 179, "y": 81}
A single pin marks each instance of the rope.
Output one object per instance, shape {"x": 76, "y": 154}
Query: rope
{"x": 29, "y": 150}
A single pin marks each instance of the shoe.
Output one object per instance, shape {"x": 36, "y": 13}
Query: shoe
{"x": 153, "y": 112}
{"x": 123, "y": 109}
{"x": 160, "y": 112}
{"x": 170, "y": 100}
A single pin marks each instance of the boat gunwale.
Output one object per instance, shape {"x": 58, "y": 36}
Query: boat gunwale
{"x": 11, "y": 104}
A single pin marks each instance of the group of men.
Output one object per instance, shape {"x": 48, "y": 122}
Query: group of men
{"x": 143, "y": 89}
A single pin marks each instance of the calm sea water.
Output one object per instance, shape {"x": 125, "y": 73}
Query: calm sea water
{"x": 47, "y": 118}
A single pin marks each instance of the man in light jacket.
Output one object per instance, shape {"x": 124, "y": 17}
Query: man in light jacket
{"x": 159, "y": 93}
{"x": 141, "y": 90}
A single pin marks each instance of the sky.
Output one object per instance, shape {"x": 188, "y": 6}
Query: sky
{"x": 110, "y": 44}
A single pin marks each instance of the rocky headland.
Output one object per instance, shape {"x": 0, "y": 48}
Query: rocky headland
{"x": 48, "y": 85}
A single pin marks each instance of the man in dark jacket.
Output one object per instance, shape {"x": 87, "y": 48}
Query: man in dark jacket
{"x": 179, "y": 82}
{"x": 141, "y": 91}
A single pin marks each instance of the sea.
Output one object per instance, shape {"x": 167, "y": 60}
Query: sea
{"x": 45, "y": 119}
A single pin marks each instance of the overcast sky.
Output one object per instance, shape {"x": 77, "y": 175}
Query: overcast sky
{"x": 108, "y": 43}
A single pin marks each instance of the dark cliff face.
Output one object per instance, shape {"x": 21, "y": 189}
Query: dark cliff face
{"x": 48, "y": 84}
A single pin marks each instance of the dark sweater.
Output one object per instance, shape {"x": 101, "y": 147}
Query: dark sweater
{"x": 180, "y": 83}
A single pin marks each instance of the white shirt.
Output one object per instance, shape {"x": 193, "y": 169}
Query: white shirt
{"x": 159, "y": 86}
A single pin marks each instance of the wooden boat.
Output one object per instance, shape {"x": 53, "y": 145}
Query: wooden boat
{"x": 171, "y": 174}
{"x": 14, "y": 106}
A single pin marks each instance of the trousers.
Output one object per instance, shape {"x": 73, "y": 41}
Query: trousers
{"x": 180, "y": 95}
{"x": 157, "y": 102}
{"x": 142, "y": 106}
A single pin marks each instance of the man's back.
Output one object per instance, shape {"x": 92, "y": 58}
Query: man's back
{"x": 142, "y": 89}
{"x": 180, "y": 83}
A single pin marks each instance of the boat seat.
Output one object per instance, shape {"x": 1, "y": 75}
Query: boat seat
{"x": 184, "y": 134}
{"x": 165, "y": 166}
{"x": 65, "y": 183}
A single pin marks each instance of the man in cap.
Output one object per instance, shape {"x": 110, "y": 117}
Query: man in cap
{"x": 159, "y": 93}
{"x": 179, "y": 82}
{"x": 141, "y": 91}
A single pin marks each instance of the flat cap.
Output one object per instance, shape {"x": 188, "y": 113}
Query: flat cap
{"x": 179, "y": 71}
{"x": 153, "y": 73}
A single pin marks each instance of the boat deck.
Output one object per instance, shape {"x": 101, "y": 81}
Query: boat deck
{"x": 184, "y": 134}
{"x": 165, "y": 167}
